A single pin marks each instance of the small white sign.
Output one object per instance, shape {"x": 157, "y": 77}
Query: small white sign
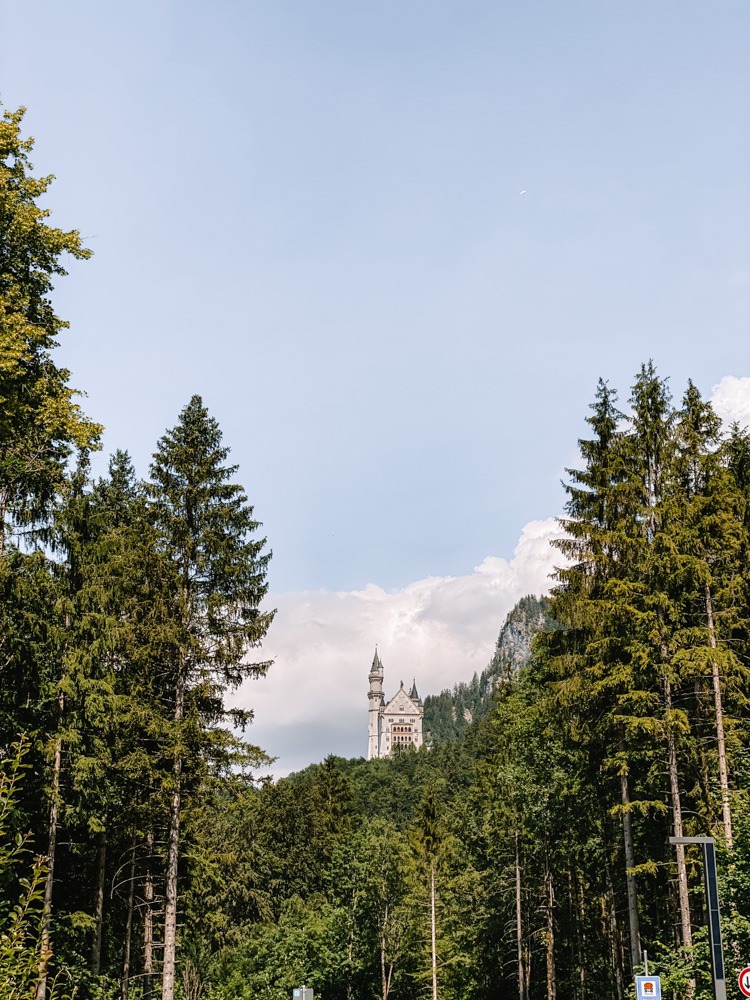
{"x": 648, "y": 988}
{"x": 744, "y": 981}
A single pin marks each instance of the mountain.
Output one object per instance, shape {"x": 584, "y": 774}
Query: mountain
{"x": 446, "y": 715}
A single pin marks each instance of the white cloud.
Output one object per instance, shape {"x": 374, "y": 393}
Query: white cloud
{"x": 439, "y": 630}
{"x": 731, "y": 399}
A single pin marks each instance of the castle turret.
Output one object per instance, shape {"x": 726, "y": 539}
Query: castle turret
{"x": 375, "y": 697}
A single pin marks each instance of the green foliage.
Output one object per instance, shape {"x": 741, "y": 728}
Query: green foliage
{"x": 23, "y": 959}
{"x": 40, "y": 420}
{"x": 536, "y": 827}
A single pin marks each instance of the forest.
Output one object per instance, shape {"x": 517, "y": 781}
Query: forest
{"x": 524, "y": 854}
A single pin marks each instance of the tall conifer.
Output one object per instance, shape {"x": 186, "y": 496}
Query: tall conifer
{"x": 597, "y": 676}
{"x": 207, "y": 531}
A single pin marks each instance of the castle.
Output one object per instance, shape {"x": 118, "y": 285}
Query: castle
{"x": 396, "y": 723}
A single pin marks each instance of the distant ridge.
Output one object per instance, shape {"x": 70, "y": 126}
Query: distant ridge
{"x": 447, "y": 715}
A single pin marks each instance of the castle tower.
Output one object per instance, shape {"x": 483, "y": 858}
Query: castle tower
{"x": 375, "y": 697}
{"x": 397, "y": 724}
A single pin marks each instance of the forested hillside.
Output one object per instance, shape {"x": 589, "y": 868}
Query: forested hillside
{"x": 525, "y": 855}
{"x": 446, "y": 715}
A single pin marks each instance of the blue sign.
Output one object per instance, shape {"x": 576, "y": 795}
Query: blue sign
{"x": 647, "y": 988}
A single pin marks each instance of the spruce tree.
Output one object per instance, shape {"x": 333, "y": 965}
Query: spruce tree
{"x": 592, "y": 659}
{"x": 706, "y": 509}
{"x": 207, "y": 532}
{"x": 652, "y": 450}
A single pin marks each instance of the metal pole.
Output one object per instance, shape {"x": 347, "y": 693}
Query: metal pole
{"x": 714, "y": 923}
{"x": 712, "y": 899}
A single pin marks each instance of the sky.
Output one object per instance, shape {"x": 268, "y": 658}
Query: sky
{"x": 311, "y": 214}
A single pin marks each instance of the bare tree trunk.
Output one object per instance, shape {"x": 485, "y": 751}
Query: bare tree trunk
{"x": 613, "y": 931}
{"x": 519, "y": 927}
{"x": 46, "y": 935}
{"x": 674, "y": 788}
{"x": 578, "y": 913}
{"x": 173, "y": 855}
{"x": 726, "y": 812}
{"x": 125, "y": 984}
{"x": 101, "y": 866}
{"x": 549, "y": 931}
{"x": 148, "y": 917}
{"x": 3, "y": 509}
{"x": 350, "y": 946}
{"x": 432, "y": 921}
{"x": 627, "y": 834}
{"x": 528, "y": 956}
{"x": 383, "y": 977}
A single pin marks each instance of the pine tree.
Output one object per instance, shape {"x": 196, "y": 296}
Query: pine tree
{"x": 592, "y": 658}
{"x": 652, "y": 450}
{"x": 705, "y": 508}
{"x": 206, "y": 530}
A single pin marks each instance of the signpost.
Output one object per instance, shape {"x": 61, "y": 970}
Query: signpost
{"x": 302, "y": 993}
{"x": 743, "y": 981}
{"x": 712, "y": 899}
{"x": 647, "y": 988}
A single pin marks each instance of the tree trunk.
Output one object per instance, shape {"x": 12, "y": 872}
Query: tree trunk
{"x": 3, "y": 509}
{"x": 579, "y": 945}
{"x": 519, "y": 927}
{"x": 549, "y": 932}
{"x": 46, "y": 935}
{"x": 148, "y": 917}
{"x": 350, "y": 945}
{"x": 528, "y": 957}
{"x": 674, "y": 788}
{"x": 101, "y": 866}
{"x": 125, "y": 984}
{"x": 383, "y": 977}
{"x": 173, "y": 855}
{"x": 432, "y": 922}
{"x": 612, "y": 931}
{"x": 723, "y": 772}
{"x": 627, "y": 834}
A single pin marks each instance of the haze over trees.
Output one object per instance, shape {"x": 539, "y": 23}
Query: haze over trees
{"x": 525, "y": 854}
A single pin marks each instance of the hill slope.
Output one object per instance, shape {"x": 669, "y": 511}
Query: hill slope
{"x": 446, "y": 715}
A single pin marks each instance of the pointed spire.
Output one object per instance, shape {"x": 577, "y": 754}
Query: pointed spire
{"x": 414, "y": 694}
{"x": 377, "y": 666}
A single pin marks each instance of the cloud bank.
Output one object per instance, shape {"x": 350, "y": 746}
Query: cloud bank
{"x": 439, "y": 630}
{"x": 731, "y": 399}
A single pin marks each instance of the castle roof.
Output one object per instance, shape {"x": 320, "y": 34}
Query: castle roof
{"x": 414, "y": 694}
{"x": 401, "y": 701}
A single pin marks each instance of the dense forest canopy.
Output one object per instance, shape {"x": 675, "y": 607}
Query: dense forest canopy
{"x": 524, "y": 854}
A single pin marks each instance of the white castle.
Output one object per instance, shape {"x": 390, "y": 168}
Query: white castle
{"x": 397, "y": 723}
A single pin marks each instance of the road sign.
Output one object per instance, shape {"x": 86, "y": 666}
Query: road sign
{"x": 302, "y": 993}
{"x": 648, "y": 988}
{"x": 744, "y": 982}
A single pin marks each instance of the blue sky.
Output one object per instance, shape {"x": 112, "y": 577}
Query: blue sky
{"x": 310, "y": 214}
